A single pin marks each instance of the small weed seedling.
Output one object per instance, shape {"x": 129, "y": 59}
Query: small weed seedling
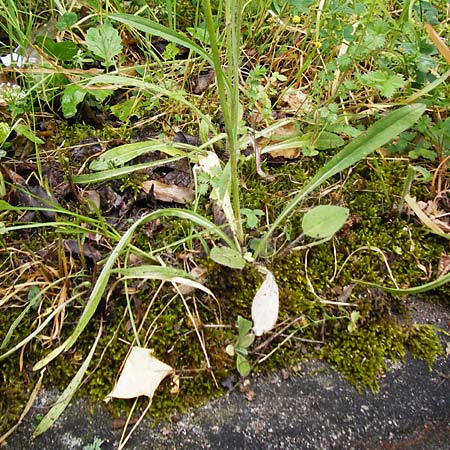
{"x": 239, "y": 349}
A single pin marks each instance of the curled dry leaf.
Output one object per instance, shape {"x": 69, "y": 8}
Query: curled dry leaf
{"x": 265, "y": 304}
{"x": 141, "y": 375}
{"x": 296, "y": 100}
{"x": 444, "y": 265}
{"x": 283, "y": 133}
{"x": 92, "y": 199}
{"x": 430, "y": 215}
{"x": 168, "y": 192}
{"x": 198, "y": 272}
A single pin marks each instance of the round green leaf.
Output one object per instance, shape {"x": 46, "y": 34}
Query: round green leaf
{"x": 324, "y": 220}
{"x": 228, "y": 257}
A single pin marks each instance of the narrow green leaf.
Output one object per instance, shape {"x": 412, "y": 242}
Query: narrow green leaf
{"x": 413, "y": 290}
{"x": 156, "y": 29}
{"x": 34, "y": 297}
{"x": 228, "y": 257}
{"x": 61, "y": 404}
{"x": 103, "y": 278}
{"x": 324, "y": 220}
{"x": 23, "y": 130}
{"x": 379, "y": 134}
{"x": 155, "y": 272}
{"x": 120, "y": 155}
{"x": 111, "y": 174}
{"x": 122, "y": 81}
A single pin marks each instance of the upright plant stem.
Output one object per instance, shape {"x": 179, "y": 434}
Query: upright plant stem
{"x": 235, "y": 33}
{"x": 228, "y": 87}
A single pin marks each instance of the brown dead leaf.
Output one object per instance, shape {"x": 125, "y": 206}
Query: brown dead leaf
{"x": 296, "y": 100}
{"x": 201, "y": 83}
{"x": 199, "y": 273}
{"x": 168, "y": 192}
{"x": 86, "y": 250}
{"x": 92, "y": 199}
{"x": 444, "y": 265}
{"x": 437, "y": 215}
{"x": 437, "y": 220}
{"x": 281, "y": 134}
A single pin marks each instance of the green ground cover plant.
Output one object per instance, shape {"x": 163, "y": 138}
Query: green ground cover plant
{"x": 175, "y": 166}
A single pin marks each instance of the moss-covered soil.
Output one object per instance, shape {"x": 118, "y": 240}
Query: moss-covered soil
{"x": 356, "y": 334}
{"x": 330, "y": 69}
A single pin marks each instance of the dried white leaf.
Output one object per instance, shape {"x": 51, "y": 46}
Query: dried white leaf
{"x": 141, "y": 375}
{"x": 265, "y": 304}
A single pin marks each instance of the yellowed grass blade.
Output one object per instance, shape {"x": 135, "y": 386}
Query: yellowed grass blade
{"x": 438, "y": 42}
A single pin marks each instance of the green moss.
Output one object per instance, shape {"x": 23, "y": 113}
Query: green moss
{"x": 361, "y": 356}
{"x": 423, "y": 343}
{"x": 317, "y": 329}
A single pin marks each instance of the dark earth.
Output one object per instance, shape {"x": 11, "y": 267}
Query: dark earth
{"x": 309, "y": 407}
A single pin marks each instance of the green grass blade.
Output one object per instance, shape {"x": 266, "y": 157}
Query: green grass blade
{"x": 103, "y": 278}
{"x": 121, "y": 81}
{"x": 154, "y": 272}
{"x": 120, "y": 155}
{"x": 413, "y": 290}
{"x": 36, "y": 331}
{"x": 61, "y": 404}
{"x": 111, "y": 174}
{"x": 156, "y": 29}
{"x": 379, "y": 134}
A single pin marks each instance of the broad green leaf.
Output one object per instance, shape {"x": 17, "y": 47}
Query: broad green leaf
{"x": 246, "y": 340}
{"x": 229, "y": 349}
{"x": 156, "y": 29}
{"x": 64, "y": 50}
{"x": 244, "y": 326}
{"x": 66, "y": 21}
{"x": 385, "y": 82}
{"x": 325, "y": 140}
{"x": 228, "y": 257}
{"x": 379, "y": 134}
{"x": 101, "y": 94}
{"x": 324, "y": 220}
{"x": 104, "y": 41}
{"x": 5, "y": 129}
{"x": 242, "y": 365}
{"x": 124, "y": 110}
{"x": 23, "y": 130}
{"x": 252, "y": 216}
{"x": 72, "y": 96}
